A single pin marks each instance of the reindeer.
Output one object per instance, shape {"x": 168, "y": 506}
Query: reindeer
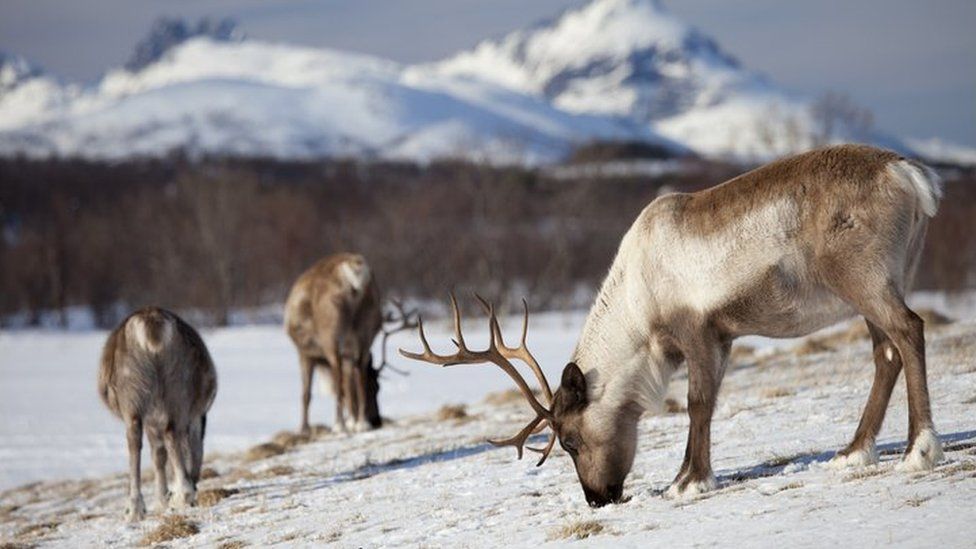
{"x": 333, "y": 314}
{"x": 156, "y": 375}
{"x": 780, "y": 251}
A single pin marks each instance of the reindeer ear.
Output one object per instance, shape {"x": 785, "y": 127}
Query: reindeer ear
{"x": 573, "y": 386}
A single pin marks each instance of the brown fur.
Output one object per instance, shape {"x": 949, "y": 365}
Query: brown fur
{"x": 333, "y": 326}
{"x": 157, "y": 375}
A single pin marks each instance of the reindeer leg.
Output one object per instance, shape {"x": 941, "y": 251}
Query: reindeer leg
{"x": 882, "y": 303}
{"x": 338, "y": 388}
{"x": 136, "y": 509}
{"x": 887, "y": 365}
{"x": 197, "y": 430}
{"x": 176, "y": 449}
{"x": 707, "y": 361}
{"x": 159, "y": 465}
{"x": 308, "y": 367}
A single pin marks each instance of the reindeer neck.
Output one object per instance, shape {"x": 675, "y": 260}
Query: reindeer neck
{"x": 615, "y": 349}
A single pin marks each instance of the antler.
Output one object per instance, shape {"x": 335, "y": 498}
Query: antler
{"x": 407, "y": 322}
{"x": 499, "y": 354}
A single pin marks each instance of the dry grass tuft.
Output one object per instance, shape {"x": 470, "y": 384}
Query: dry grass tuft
{"x": 38, "y": 530}
{"x": 813, "y": 346}
{"x": 933, "y": 318}
{"x": 864, "y": 473}
{"x": 288, "y": 439}
{"x": 452, "y": 411}
{"x": 208, "y": 473}
{"x": 264, "y": 451}
{"x": 672, "y": 406}
{"x": 209, "y": 498}
{"x": 509, "y": 396}
{"x": 580, "y": 529}
{"x": 776, "y": 392}
{"x": 743, "y": 354}
{"x": 917, "y": 500}
{"x": 172, "y": 527}
{"x": 232, "y": 544}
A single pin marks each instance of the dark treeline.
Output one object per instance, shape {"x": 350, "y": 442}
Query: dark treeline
{"x": 214, "y": 235}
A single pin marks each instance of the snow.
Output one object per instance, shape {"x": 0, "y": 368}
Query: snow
{"x": 940, "y": 150}
{"x": 420, "y": 480}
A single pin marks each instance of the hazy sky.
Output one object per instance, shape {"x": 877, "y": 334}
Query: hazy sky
{"x": 913, "y": 62}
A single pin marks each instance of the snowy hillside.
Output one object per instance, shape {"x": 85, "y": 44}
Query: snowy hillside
{"x": 255, "y": 98}
{"x": 428, "y": 478}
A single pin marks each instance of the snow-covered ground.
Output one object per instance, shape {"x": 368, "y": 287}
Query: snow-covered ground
{"x": 424, "y": 480}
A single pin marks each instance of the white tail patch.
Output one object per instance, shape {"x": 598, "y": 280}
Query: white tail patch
{"x": 920, "y": 180}
{"x": 137, "y": 331}
{"x": 354, "y": 279}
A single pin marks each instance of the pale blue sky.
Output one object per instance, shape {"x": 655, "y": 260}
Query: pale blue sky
{"x": 912, "y": 62}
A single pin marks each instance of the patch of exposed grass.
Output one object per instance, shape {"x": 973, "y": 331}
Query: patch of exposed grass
{"x": 672, "y": 406}
{"x": 211, "y": 497}
{"x": 509, "y": 396}
{"x": 172, "y": 527}
{"x": 37, "y": 530}
{"x": 776, "y": 392}
{"x": 791, "y": 486}
{"x": 580, "y": 529}
{"x": 933, "y": 318}
{"x": 452, "y": 411}
{"x": 863, "y": 473}
{"x": 264, "y": 451}
{"x": 743, "y": 354}
{"x": 232, "y": 544}
{"x": 288, "y": 439}
{"x": 208, "y": 473}
{"x": 917, "y": 500}
{"x": 14, "y": 545}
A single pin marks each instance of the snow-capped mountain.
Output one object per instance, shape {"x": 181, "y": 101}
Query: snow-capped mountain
{"x": 632, "y": 58}
{"x": 609, "y": 70}
{"x": 256, "y": 98}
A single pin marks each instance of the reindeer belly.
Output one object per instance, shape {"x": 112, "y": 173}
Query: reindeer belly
{"x": 782, "y": 303}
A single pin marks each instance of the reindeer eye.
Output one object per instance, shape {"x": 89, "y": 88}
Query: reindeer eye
{"x": 571, "y": 444}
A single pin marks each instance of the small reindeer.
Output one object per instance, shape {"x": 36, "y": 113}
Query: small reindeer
{"x": 156, "y": 375}
{"x": 333, "y": 314}
{"x": 781, "y": 251}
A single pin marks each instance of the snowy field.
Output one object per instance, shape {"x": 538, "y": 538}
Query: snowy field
{"x": 424, "y": 480}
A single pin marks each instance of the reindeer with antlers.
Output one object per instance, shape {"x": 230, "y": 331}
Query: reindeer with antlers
{"x": 781, "y": 251}
{"x": 332, "y": 314}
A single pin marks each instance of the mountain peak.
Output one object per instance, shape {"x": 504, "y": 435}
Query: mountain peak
{"x": 15, "y": 69}
{"x": 167, "y": 33}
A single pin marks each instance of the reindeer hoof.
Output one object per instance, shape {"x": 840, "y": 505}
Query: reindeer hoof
{"x": 182, "y": 499}
{"x": 926, "y": 452}
{"x": 859, "y": 457}
{"x": 135, "y": 511}
{"x": 685, "y": 488}
{"x": 163, "y": 501}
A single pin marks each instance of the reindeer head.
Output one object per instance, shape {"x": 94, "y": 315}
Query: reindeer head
{"x": 600, "y": 441}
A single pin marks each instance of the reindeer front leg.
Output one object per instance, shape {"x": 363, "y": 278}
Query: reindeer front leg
{"x": 706, "y": 367}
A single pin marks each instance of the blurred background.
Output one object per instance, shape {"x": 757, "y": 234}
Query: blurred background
{"x": 200, "y": 155}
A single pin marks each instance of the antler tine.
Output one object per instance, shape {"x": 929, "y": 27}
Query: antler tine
{"x": 522, "y": 351}
{"x": 518, "y": 441}
{"x": 545, "y": 451}
{"x": 464, "y": 355}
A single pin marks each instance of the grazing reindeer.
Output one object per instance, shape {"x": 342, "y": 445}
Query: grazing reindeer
{"x": 332, "y": 314}
{"x": 156, "y": 375}
{"x": 781, "y": 251}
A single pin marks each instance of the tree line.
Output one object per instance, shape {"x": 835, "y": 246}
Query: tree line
{"x": 214, "y": 235}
